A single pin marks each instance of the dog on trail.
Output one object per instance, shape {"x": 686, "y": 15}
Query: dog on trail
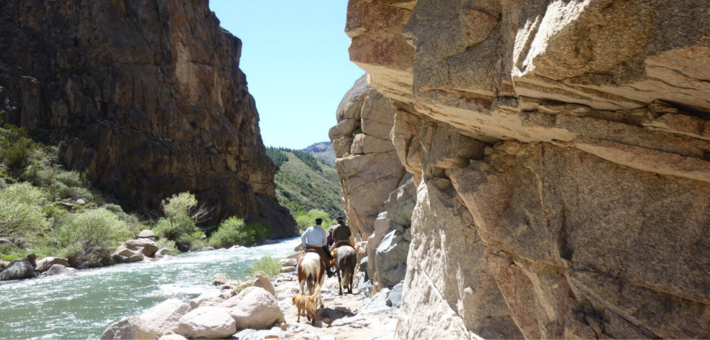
{"x": 307, "y": 304}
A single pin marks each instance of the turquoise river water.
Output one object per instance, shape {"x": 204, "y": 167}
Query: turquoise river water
{"x": 83, "y": 306}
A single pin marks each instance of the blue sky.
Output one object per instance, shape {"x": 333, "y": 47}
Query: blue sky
{"x": 295, "y": 56}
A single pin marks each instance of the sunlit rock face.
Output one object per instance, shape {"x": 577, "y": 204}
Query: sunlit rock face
{"x": 367, "y": 162}
{"x": 562, "y": 155}
{"x": 148, "y": 97}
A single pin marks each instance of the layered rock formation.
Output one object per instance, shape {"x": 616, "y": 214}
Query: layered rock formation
{"x": 148, "y": 97}
{"x": 367, "y": 162}
{"x": 561, "y": 151}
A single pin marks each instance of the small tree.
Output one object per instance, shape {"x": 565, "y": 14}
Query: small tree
{"x": 181, "y": 217}
{"x": 21, "y": 211}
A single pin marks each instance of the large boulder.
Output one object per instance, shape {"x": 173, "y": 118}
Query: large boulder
{"x": 164, "y": 317}
{"x": 262, "y": 282}
{"x": 47, "y": 262}
{"x": 17, "y": 270}
{"x": 207, "y": 322}
{"x": 212, "y": 297}
{"x": 146, "y": 246}
{"x": 256, "y": 309}
{"x": 91, "y": 258}
{"x": 31, "y": 258}
{"x": 220, "y": 279}
{"x": 394, "y": 296}
{"x": 58, "y": 269}
{"x": 126, "y": 255}
{"x": 147, "y": 234}
{"x": 128, "y": 328}
{"x": 391, "y": 258}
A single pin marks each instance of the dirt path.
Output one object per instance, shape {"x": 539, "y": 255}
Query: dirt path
{"x": 347, "y": 317}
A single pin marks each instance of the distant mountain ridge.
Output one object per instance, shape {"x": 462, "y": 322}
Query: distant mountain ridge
{"x": 305, "y": 182}
{"x": 322, "y": 150}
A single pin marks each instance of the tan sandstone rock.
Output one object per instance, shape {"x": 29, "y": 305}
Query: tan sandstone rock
{"x": 262, "y": 282}
{"x": 212, "y": 297}
{"x": 367, "y": 163}
{"x": 207, "y": 322}
{"x": 561, "y": 156}
{"x": 164, "y": 317}
{"x": 47, "y": 262}
{"x": 254, "y": 308}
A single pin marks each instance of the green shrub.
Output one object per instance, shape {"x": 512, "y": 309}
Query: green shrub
{"x": 260, "y": 231}
{"x": 309, "y": 219}
{"x": 165, "y": 243}
{"x": 16, "y": 153}
{"x": 231, "y": 231}
{"x": 21, "y": 211}
{"x": 69, "y": 178}
{"x": 267, "y": 266}
{"x": 97, "y": 228}
{"x": 131, "y": 220}
{"x": 10, "y": 257}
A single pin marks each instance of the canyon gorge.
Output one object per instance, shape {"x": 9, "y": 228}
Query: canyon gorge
{"x": 146, "y": 98}
{"x": 559, "y": 155}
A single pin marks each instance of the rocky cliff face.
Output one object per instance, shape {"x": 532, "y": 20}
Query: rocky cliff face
{"x": 148, "y": 97}
{"x": 367, "y": 162}
{"x": 561, "y": 152}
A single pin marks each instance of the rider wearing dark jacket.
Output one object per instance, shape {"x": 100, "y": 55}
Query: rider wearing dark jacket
{"x": 341, "y": 233}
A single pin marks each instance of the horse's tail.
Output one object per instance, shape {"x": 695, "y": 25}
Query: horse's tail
{"x": 348, "y": 266}
{"x": 310, "y": 281}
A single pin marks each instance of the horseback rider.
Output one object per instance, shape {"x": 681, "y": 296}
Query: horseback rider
{"x": 342, "y": 234}
{"x": 314, "y": 238}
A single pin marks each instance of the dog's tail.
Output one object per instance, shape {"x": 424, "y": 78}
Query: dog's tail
{"x": 316, "y": 294}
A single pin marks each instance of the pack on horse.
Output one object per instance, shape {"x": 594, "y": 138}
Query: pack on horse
{"x": 345, "y": 262}
{"x": 311, "y": 272}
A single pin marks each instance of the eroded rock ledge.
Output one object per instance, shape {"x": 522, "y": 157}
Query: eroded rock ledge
{"x": 562, "y": 156}
{"x": 147, "y": 95}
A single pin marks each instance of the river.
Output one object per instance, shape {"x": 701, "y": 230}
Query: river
{"x": 83, "y": 306}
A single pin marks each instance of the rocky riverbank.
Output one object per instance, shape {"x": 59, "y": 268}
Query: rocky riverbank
{"x": 262, "y": 309}
{"x": 141, "y": 249}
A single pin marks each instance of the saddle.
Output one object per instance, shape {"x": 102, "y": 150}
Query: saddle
{"x": 317, "y": 250}
{"x": 342, "y": 243}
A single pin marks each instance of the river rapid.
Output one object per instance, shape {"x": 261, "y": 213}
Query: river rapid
{"x": 83, "y": 306}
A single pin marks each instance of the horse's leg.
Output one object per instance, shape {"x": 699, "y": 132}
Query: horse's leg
{"x": 350, "y": 286}
{"x": 340, "y": 282}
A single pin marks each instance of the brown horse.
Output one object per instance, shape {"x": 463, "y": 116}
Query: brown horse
{"x": 345, "y": 262}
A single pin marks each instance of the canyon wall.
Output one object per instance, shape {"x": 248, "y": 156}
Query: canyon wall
{"x": 561, "y": 153}
{"x": 147, "y": 96}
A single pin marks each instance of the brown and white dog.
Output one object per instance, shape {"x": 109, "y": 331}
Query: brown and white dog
{"x": 307, "y": 304}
